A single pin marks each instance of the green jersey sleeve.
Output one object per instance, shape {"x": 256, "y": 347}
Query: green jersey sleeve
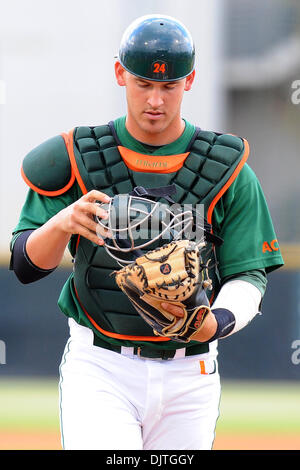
{"x": 243, "y": 220}
{"x": 38, "y": 209}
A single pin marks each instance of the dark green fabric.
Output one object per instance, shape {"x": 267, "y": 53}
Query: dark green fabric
{"x": 146, "y": 351}
{"x": 242, "y": 205}
{"x": 257, "y": 277}
{"x": 174, "y": 148}
{"x": 243, "y": 218}
{"x": 211, "y": 162}
{"x": 48, "y": 165}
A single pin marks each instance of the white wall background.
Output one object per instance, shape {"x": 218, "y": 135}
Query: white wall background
{"x": 56, "y": 72}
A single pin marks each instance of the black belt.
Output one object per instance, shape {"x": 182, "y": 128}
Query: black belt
{"x": 152, "y": 353}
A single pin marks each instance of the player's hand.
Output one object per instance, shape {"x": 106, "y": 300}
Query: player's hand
{"x": 78, "y": 218}
{"x": 205, "y": 333}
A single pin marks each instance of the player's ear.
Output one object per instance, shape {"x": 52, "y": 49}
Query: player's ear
{"x": 189, "y": 81}
{"x": 120, "y": 74}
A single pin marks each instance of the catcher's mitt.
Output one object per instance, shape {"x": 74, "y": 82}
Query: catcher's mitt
{"x": 172, "y": 273}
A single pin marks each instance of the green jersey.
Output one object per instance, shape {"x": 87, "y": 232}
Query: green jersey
{"x": 241, "y": 218}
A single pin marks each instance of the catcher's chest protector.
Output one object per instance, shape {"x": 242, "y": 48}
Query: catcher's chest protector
{"x": 96, "y": 159}
{"x": 201, "y": 176}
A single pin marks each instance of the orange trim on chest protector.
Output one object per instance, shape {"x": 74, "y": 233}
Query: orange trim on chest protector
{"x": 68, "y": 138}
{"x": 152, "y": 163}
{"x": 117, "y": 335}
{"x": 229, "y": 182}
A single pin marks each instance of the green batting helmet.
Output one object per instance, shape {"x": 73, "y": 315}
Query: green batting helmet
{"x": 157, "y": 47}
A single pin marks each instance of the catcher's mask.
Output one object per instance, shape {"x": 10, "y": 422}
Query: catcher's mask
{"x": 141, "y": 221}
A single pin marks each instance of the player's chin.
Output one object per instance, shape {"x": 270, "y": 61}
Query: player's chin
{"x": 155, "y": 125}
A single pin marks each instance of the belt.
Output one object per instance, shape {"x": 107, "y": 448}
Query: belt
{"x": 151, "y": 353}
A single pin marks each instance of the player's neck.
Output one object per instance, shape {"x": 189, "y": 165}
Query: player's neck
{"x": 167, "y": 136}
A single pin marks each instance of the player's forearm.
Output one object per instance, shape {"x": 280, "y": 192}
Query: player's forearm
{"x": 35, "y": 253}
{"x": 240, "y": 298}
{"x": 45, "y": 246}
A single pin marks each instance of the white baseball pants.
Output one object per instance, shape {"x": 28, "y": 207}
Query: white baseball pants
{"x": 123, "y": 402}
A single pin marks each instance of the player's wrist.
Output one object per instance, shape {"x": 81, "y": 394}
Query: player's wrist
{"x": 208, "y": 329}
{"x": 59, "y": 224}
{"x": 225, "y": 321}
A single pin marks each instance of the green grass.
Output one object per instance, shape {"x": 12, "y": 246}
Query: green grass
{"x": 29, "y": 404}
{"x": 245, "y": 406}
{"x": 260, "y": 407}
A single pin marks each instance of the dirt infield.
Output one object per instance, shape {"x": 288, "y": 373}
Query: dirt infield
{"x": 260, "y": 442}
{"x": 51, "y": 441}
{"x": 29, "y": 440}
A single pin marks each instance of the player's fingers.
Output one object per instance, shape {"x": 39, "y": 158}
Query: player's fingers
{"x": 174, "y": 309}
{"x": 93, "y": 209}
{"x": 82, "y": 217}
{"x": 96, "y": 195}
{"x": 103, "y": 232}
{"x": 89, "y": 232}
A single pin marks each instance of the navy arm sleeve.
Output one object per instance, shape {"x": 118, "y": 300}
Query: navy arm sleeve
{"x": 26, "y": 271}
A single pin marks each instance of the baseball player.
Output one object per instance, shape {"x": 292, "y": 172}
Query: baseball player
{"x": 121, "y": 385}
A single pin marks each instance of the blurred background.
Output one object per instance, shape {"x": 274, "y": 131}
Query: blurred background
{"x": 56, "y": 72}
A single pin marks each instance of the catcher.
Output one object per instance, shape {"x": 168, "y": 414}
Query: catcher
{"x": 167, "y": 225}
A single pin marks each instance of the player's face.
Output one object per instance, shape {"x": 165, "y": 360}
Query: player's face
{"x": 154, "y": 108}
